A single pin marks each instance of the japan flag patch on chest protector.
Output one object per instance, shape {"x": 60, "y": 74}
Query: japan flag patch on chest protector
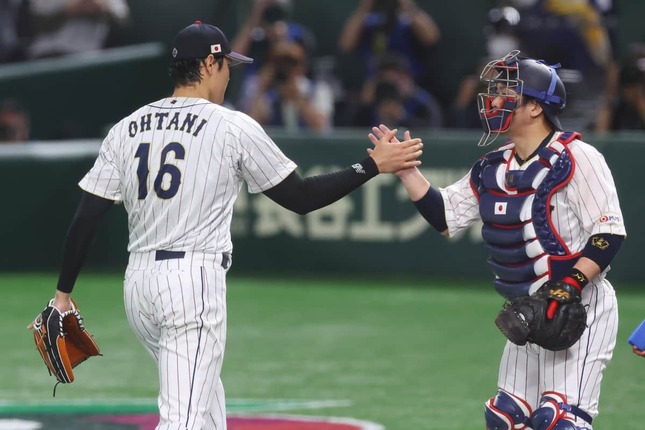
{"x": 500, "y": 208}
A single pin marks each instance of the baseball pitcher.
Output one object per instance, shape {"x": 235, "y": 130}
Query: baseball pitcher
{"x": 177, "y": 165}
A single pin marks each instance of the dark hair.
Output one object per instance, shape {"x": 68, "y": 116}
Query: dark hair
{"x": 185, "y": 73}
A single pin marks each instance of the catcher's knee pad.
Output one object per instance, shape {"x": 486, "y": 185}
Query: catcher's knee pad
{"x": 555, "y": 414}
{"x": 507, "y": 412}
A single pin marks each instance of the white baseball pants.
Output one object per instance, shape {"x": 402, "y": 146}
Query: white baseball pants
{"x": 177, "y": 308}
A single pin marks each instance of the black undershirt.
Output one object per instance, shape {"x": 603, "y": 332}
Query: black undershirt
{"x": 305, "y": 195}
{"x": 544, "y": 143}
{"x": 79, "y": 237}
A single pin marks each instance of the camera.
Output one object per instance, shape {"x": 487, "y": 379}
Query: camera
{"x": 274, "y": 13}
{"x": 386, "y": 6}
{"x": 284, "y": 66}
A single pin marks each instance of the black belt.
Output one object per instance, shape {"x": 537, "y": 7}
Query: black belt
{"x": 175, "y": 255}
{"x": 169, "y": 255}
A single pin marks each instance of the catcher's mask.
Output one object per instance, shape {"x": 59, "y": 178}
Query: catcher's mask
{"x": 507, "y": 80}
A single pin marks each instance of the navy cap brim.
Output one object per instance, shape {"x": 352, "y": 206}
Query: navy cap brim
{"x": 237, "y": 59}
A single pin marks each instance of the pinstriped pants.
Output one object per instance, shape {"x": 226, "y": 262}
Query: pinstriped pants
{"x": 177, "y": 309}
{"x": 528, "y": 371}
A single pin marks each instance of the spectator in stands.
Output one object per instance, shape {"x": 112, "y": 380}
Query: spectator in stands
{"x": 387, "y": 107}
{"x": 282, "y": 95}
{"x": 501, "y": 38}
{"x": 625, "y": 107}
{"x": 74, "y": 26}
{"x": 629, "y": 110}
{"x": 576, "y": 34}
{"x": 14, "y": 30}
{"x": 380, "y": 26}
{"x": 463, "y": 112}
{"x": 14, "y": 122}
{"x": 267, "y": 24}
{"x": 419, "y": 108}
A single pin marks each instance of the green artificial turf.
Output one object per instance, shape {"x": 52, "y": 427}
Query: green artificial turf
{"x": 408, "y": 354}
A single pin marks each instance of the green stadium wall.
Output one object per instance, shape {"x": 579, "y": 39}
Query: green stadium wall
{"x": 85, "y": 97}
{"x": 375, "y": 230}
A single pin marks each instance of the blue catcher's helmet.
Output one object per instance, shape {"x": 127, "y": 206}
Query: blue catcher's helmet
{"x": 514, "y": 76}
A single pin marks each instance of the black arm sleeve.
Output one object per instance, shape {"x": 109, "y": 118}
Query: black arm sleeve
{"x": 305, "y": 195}
{"x": 433, "y": 210}
{"x": 602, "y": 248}
{"x": 79, "y": 236}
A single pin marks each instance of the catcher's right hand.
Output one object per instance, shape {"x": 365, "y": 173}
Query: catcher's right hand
{"x": 525, "y": 319}
{"x": 62, "y": 340}
{"x": 557, "y": 293}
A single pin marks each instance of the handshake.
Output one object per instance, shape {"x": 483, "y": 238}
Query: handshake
{"x": 392, "y": 155}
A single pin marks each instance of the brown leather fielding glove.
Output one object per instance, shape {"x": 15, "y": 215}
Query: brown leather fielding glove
{"x": 62, "y": 341}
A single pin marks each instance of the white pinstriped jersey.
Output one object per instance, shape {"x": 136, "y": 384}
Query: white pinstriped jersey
{"x": 177, "y": 165}
{"x": 586, "y": 206}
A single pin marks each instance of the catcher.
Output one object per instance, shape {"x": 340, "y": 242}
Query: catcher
{"x": 552, "y": 223}
{"x": 61, "y": 338}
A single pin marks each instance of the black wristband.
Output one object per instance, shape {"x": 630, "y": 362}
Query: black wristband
{"x": 368, "y": 163}
{"x": 579, "y": 277}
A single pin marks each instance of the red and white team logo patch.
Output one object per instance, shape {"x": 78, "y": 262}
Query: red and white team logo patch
{"x": 610, "y": 218}
{"x": 216, "y": 49}
{"x": 500, "y": 208}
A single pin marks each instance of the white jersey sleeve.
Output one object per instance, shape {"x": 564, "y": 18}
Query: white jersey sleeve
{"x": 103, "y": 179}
{"x": 262, "y": 164}
{"x": 592, "y": 192}
{"x": 461, "y": 205}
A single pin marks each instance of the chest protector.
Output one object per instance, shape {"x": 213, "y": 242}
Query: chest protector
{"x": 524, "y": 248}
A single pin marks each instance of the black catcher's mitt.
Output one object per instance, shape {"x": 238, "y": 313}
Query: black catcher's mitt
{"x": 525, "y": 319}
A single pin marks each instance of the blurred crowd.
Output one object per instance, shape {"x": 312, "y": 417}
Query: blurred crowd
{"x": 289, "y": 85}
{"x": 33, "y": 29}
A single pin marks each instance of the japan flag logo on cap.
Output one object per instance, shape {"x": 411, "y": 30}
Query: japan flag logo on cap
{"x": 500, "y": 208}
{"x": 215, "y": 49}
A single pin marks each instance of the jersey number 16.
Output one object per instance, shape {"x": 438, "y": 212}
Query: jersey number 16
{"x": 143, "y": 154}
